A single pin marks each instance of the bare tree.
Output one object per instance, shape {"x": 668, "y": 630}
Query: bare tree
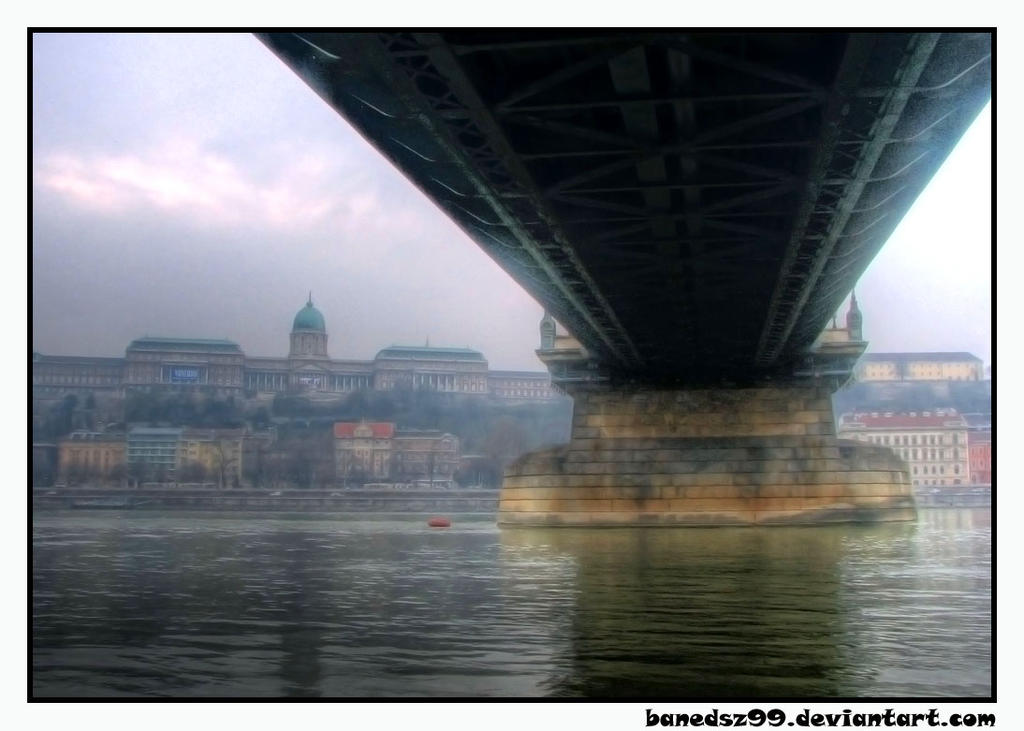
{"x": 192, "y": 471}
{"x": 220, "y": 463}
{"x": 506, "y": 441}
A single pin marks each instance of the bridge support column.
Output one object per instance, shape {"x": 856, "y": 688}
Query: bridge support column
{"x": 718, "y": 456}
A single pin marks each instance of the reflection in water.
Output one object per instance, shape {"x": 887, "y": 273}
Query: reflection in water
{"x": 701, "y": 613}
{"x": 188, "y": 605}
{"x": 892, "y": 609}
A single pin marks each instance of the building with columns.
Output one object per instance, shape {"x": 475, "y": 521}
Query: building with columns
{"x": 184, "y": 362}
{"x": 222, "y": 367}
{"x": 57, "y": 374}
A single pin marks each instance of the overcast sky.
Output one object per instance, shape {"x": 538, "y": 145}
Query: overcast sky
{"x": 192, "y": 185}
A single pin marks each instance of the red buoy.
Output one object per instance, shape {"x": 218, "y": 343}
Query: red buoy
{"x": 439, "y": 523}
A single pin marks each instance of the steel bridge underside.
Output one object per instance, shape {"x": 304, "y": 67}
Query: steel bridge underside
{"x": 692, "y": 207}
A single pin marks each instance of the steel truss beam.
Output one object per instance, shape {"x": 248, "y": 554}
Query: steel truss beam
{"x": 613, "y": 337}
{"x": 688, "y": 206}
{"x": 806, "y": 257}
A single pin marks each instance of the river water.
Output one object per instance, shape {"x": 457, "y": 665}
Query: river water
{"x": 245, "y": 604}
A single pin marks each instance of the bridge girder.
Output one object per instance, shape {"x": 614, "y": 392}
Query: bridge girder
{"x": 690, "y": 206}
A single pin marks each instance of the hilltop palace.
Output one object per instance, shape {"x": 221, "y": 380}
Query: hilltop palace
{"x": 221, "y": 366}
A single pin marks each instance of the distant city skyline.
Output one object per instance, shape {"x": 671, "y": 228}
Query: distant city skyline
{"x": 193, "y": 186}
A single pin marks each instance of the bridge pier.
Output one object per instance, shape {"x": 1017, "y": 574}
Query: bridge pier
{"x": 705, "y": 457}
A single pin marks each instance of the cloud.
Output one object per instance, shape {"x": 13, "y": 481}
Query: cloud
{"x": 181, "y": 178}
{"x": 193, "y": 185}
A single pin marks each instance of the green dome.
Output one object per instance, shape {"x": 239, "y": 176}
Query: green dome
{"x": 309, "y": 318}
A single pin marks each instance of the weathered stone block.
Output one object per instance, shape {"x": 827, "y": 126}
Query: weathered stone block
{"x": 705, "y": 457}
{"x": 811, "y": 417}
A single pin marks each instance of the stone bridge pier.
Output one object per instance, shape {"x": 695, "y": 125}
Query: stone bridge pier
{"x": 764, "y": 455}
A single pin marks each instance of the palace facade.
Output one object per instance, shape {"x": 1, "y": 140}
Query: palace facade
{"x": 919, "y": 367}
{"x": 222, "y": 366}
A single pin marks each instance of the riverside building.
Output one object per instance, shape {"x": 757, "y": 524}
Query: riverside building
{"x": 377, "y": 451}
{"x": 160, "y": 454}
{"x": 153, "y": 453}
{"x": 933, "y": 443}
{"x": 85, "y": 455}
{"x": 979, "y": 445}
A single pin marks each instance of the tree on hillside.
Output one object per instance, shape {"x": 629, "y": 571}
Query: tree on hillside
{"x": 505, "y": 441}
{"x": 261, "y": 418}
{"x": 307, "y": 457}
{"x": 59, "y": 419}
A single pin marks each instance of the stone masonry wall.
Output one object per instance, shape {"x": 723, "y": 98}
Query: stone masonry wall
{"x": 705, "y": 457}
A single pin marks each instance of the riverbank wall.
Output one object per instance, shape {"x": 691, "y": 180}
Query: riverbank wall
{"x": 312, "y": 501}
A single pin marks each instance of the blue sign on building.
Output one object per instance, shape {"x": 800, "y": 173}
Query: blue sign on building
{"x": 184, "y": 375}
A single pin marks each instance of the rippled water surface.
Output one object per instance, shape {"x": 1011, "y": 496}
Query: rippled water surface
{"x": 128, "y": 604}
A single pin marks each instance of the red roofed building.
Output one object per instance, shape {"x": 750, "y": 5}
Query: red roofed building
{"x": 364, "y": 429}
{"x": 933, "y": 443}
{"x": 362, "y": 450}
